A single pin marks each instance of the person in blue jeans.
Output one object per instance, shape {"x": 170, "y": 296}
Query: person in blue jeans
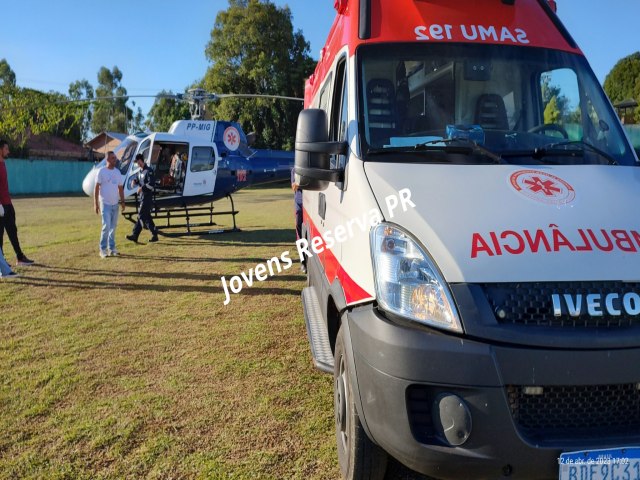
{"x": 297, "y": 201}
{"x": 5, "y": 268}
{"x": 109, "y": 187}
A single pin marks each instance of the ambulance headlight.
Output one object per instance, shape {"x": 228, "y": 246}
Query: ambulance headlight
{"x": 407, "y": 281}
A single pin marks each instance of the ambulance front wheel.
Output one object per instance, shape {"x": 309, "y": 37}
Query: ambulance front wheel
{"x": 553, "y": 127}
{"x": 358, "y": 456}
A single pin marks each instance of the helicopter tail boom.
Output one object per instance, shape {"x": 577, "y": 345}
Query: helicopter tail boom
{"x": 269, "y": 166}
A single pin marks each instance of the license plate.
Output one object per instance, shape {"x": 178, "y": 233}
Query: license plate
{"x": 611, "y": 464}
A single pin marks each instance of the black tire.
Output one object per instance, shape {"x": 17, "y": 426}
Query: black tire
{"x": 358, "y": 456}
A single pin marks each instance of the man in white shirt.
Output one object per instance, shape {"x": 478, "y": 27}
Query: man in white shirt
{"x": 109, "y": 186}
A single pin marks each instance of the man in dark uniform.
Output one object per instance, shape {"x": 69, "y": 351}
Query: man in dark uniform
{"x": 145, "y": 182}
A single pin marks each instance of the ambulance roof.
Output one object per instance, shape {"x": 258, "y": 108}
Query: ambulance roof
{"x": 528, "y": 23}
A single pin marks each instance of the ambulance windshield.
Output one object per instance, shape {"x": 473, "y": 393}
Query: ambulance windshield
{"x": 526, "y": 105}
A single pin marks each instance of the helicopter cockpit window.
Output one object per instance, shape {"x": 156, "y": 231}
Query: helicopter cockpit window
{"x": 125, "y": 153}
{"x": 145, "y": 150}
{"x": 202, "y": 159}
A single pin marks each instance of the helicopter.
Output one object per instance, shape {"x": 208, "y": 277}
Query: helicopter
{"x": 196, "y": 162}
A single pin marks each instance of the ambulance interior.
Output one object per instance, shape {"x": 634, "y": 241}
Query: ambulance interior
{"x": 525, "y": 104}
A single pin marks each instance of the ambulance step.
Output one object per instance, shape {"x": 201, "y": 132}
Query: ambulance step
{"x": 317, "y": 331}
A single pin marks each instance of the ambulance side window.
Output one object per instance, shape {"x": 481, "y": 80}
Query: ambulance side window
{"x": 339, "y": 114}
{"x": 325, "y": 95}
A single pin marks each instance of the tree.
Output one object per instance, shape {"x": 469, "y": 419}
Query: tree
{"x": 26, "y": 111}
{"x": 80, "y": 90}
{"x": 623, "y": 81}
{"x": 137, "y": 121}
{"x": 552, "y": 113}
{"x": 110, "y": 114}
{"x": 553, "y": 93}
{"x": 253, "y": 49}
{"x": 165, "y": 111}
{"x": 7, "y": 76}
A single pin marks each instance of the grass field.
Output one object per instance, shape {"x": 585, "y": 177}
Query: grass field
{"x": 132, "y": 367}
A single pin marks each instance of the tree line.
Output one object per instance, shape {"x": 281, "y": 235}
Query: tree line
{"x": 253, "y": 49}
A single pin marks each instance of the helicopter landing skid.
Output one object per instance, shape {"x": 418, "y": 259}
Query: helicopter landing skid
{"x": 175, "y": 217}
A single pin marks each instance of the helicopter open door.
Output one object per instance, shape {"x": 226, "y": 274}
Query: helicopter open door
{"x": 129, "y": 167}
{"x": 202, "y": 167}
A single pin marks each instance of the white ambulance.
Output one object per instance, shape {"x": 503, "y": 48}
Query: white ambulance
{"x": 472, "y": 239}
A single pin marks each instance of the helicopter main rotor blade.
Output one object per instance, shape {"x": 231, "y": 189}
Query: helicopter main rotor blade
{"x": 98, "y": 99}
{"x": 115, "y": 97}
{"x": 257, "y": 95}
{"x": 194, "y": 96}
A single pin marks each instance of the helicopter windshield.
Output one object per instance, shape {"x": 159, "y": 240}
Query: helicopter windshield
{"x": 522, "y": 105}
{"x": 125, "y": 152}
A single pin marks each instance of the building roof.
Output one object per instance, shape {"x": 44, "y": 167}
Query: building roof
{"x": 103, "y": 138}
{"x": 628, "y": 103}
{"x": 116, "y": 135}
{"x": 47, "y": 145}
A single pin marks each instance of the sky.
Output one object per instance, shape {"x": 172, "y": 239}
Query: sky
{"x": 160, "y": 44}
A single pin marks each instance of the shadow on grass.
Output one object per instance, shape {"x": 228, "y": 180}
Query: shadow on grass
{"x": 135, "y": 280}
{"x": 286, "y": 236}
{"x": 131, "y": 274}
{"x": 213, "y": 286}
{"x": 169, "y": 275}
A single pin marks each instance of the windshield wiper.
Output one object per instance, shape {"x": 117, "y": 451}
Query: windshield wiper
{"x": 400, "y": 150}
{"x": 540, "y": 154}
{"x": 461, "y": 145}
{"x": 588, "y": 146}
{"x": 553, "y": 150}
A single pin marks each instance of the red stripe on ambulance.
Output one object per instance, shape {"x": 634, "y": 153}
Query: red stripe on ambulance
{"x": 353, "y": 293}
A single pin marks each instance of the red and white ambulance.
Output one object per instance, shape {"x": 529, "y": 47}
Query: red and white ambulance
{"x": 472, "y": 239}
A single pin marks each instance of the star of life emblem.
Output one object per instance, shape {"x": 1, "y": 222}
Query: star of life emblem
{"x": 231, "y": 138}
{"x": 542, "y": 187}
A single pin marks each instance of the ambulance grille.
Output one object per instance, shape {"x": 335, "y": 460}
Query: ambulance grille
{"x": 530, "y": 304}
{"x": 576, "y": 412}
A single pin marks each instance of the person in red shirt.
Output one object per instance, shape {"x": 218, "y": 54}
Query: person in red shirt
{"x": 8, "y": 221}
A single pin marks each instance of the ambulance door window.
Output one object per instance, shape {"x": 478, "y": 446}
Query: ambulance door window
{"x": 339, "y": 114}
{"x": 325, "y": 95}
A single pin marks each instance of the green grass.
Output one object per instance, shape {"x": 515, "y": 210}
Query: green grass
{"x": 132, "y": 367}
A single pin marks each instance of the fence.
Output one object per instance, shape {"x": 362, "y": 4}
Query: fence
{"x": 37, "y": 177}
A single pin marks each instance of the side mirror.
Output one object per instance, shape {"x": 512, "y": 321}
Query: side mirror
{"x": 251, "y": 138}
{"x": 312, "y": 165}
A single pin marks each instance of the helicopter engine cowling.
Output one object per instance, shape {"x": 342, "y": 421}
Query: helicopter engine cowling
{"x": 89, "y": 182}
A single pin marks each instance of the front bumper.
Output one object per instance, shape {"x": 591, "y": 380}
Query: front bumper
{"x": 400, "y": 370}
